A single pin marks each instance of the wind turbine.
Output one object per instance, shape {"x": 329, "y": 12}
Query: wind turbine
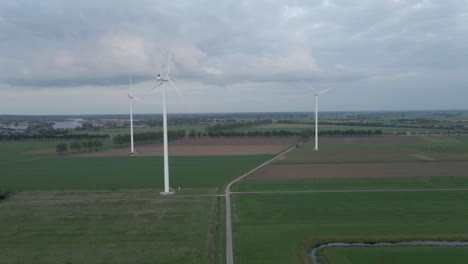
{"x": 316, "y": 93}
{"x": 162, "y": 81}
{"x": 130, "y": 102}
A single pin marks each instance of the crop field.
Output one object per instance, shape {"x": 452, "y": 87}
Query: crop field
{"x": 281, "y": 228}
{"x": 126, "y": 226}
{"x": 396, "y": 254}
{"x": 84, "y": 173}
{"x": 206, "y": 146}
{"x": 363, "y": 170}
{"x": 380, "y": 149}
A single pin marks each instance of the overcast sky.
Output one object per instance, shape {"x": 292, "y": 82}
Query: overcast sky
{"x": 74, "y": 57}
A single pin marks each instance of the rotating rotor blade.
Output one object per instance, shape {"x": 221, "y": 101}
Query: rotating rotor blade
{"x": 138, "y": 99}
{"x": 169, "y": 65}
{"x": 131, "y": 85}
{"x": 159, "y": 84}
{"x": 310, "y": 86}
{"x": 324, "y": 91}
{"x": 175, "y": 87}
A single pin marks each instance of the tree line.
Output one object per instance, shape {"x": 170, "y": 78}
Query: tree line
{"x": 77, "y": 146}
{"x": 21, "y": 137}
{"x": 147, "y": 136}
{"x": 229, "y": 126}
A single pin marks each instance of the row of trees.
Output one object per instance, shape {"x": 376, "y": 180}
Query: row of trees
{"x": 147, "y": 137}
{"x": 234, "y": 125}
{"x": 77, "y": 146}
{"x": 351, "y": 132}
{"x": 23, "y": 137}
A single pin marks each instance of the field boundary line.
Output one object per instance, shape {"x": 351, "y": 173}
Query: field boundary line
{"x": 229, "y": 250}
{"x": 353, "y": 191}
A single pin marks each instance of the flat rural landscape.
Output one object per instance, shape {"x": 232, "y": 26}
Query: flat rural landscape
{"x": 100, "y": 204}
{"x": 234, "y": 132}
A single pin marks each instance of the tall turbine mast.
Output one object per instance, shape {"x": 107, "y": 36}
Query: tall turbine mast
{"x": 316, "y": 93}
{"x": 130, "y": 102}
{"x": 162, "y": 81}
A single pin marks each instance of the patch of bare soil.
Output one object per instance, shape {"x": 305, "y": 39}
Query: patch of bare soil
{"x": 362, "y": 170}
{"x": 206, "y": 146}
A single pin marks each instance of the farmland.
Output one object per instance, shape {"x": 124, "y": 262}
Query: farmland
{"x": 281, "y": 228}
{"x": 381, "y": 149}
{"x": 126, "y": 226}
{"x": 78, "y": 207}
{"x": 84, "y": 173}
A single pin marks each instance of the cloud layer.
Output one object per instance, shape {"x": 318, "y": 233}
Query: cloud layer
{"x": 372, "y": 47}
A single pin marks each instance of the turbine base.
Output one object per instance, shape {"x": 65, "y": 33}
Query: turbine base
{"x": 167, "y": 193}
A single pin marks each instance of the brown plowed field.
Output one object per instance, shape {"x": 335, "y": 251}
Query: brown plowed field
{"x": 206, "y": 146}
{"x": 362, "y": 170}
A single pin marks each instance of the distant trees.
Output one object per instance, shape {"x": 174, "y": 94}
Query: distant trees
{"x": 147, "y": 137}
{"x": 61, "y": 148}
{"x": 308, "y": 133}
{"x": 234, "y": 125}
{"x": 77, "y": 146}
{"x": 24, "y": 136}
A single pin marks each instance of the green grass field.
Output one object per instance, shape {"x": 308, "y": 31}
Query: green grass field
{"x": 272, "y": 228}
{"x": 395, "y": 254}
{"x": 130, "y": 226}
{"x": 85, "y": 173}
{"x": 433, "y": 149}
{"x": 352, "y": 184}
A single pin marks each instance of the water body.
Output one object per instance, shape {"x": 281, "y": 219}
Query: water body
{"x": 313, "y": 252}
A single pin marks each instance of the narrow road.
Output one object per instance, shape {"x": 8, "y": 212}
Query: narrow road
{"x": 229, "y": 250}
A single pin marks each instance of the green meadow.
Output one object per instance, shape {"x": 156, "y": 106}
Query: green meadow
{"x": 282, "y": 228}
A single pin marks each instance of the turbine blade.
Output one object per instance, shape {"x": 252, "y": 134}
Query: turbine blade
{"x": 159, "y": 84}
{"x": 310, "y": 86}
{"x": 131, "y": 85}
{"x": 175, "y": 87}
{"x": 324, "y": 91}
{"x": 138, "y": 99}
{"x": 169, "y": 65}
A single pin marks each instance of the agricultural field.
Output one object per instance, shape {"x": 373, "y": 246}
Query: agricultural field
{"x": 283, "y": 227}
{"x": 74, "y": 209}
{"x": 381, "y": 149}
{"x": 119, "y": 226}
{"x": 206, "y": 146}
{"x": 355, "y": 189}
{"x": 84, "y": 173}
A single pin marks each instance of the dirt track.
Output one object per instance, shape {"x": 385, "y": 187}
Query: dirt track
{"x": 206, "y": 146}
{"x": 362, "y": 170}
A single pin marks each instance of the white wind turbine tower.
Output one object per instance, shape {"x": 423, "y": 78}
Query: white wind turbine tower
{"x": 316, "y": 112}
{"x": 162, "y": 81}
{"x": 130, "y": 102}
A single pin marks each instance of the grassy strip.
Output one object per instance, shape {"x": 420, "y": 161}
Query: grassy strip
{"x": 352, "y": 184}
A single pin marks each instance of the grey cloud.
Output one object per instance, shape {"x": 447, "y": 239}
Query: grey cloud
{"x": 73, "y": 43}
